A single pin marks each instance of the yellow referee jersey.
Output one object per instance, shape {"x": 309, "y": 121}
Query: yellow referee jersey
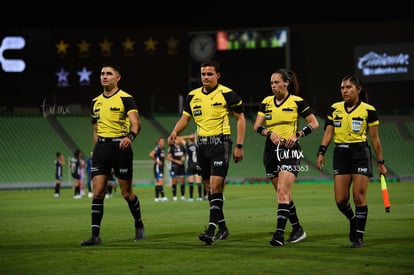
{"x": 283, "y": 118}
{"x": 211, "y": 112}
{"x": 351, "y": 127}
{"x": 111, "y": 114}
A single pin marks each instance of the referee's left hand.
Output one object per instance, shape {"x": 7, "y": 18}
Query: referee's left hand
{"x": 171, "y": 138}
{"x": 238, "y": 154}
{"x": 124, "y": 143}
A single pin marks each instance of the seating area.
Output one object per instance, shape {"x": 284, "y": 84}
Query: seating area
{"x": 29, "y": 144}
{"x": 79, "y": 129}
{"x": 28, "y": 149}
{"x": 398, "y": 150}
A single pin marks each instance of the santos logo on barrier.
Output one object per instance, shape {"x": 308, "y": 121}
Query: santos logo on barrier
{"x": 12, "y": 65}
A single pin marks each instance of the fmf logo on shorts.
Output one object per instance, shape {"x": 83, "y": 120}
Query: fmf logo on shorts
{"x": 12, "y": 65}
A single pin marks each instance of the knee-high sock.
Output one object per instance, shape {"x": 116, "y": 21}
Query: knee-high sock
{"x": 135, "y": 209}
{"x": 162, "y": 191}
{"x": 191, "y": 189}
{"x": 221, "y": 221}
{"x": 293, "y": 217}
{"x": 200, "y": 194}
{"x": 57, "y": 188}
{"x": 216, "y": 211}
{"x": 157, "y": 191}
{"x": 97, "y": 211}
{"x": 174, "y": 190}
{"x": 182, "y": 189}
{"x": 77, "y": 190}
{"x": 361, "y": 214}
{"x": 282, "y": 218}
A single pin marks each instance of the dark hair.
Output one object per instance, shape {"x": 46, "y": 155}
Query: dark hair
{"x": 158, "y": 139}
{"x": 289, "y": 75}
{"x": 58, "y": 154}
{"x": 77, "y": 153}
{"x": 211, "y": 63}
{"x": 113, "y": 65}
{"x": 363, "y": 95}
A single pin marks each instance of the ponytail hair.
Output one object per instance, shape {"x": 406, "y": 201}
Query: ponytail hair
{"x": 289, "y": 75}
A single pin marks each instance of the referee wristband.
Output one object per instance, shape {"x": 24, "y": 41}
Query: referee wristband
{"x": 322, "y": 150}
{"x": 131, "y": 135}
{"x": 260, "y": 129}
{"x": 307, "y": 130}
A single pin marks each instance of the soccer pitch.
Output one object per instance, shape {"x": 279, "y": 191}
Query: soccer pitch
{"x": 41, "y": 234}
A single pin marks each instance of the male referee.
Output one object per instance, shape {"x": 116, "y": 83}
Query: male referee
{"x": 116, "y": 123}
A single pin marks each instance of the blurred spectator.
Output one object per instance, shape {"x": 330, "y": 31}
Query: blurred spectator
{"x": 192, "y": 168}
{"x": 75, "y": 169}
{"x": 158, "y": 156}
{"x": 176, "y": 155}
{"x": 59, "y": 163}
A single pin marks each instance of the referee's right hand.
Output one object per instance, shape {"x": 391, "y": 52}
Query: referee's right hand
{"x": 320, "y": 162}
{"x": 171, "y": 138}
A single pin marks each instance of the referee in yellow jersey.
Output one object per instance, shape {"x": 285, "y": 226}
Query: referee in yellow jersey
{"x": 278, "y": 120}
{"x": 348, "y": 123}
{"x": 116, "y": 123}
{"x": 211, "y": 106}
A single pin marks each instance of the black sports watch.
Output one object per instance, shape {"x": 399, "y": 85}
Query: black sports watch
{"x": 381, "y": 161}
{"x": 239, "y": 145}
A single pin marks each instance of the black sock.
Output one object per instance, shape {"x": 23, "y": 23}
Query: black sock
{"x": 221, "y": 221}
{"x": 157, "y": 191}
{"x": 293, "y": 217}
{"x": 216, "y": 211}
{"x": 282, "y": 217}
{"x": 361, "y": 214}
{"x": 97, "y": 210}
{"x": 77, "y": 190}
{"x": 200, "y": 194}
{"x": 135, "y": 208}
{"x": 182, "y": 189}
{"x": 191, "y": 189}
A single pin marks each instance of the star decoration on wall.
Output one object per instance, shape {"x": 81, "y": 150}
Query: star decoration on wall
{"x": 150, "y": 45}
{"x": 62, "y": 78}
{"x": 84, "y": 77}
{"x": 84, "y": 47}
{"x": 106, "y": 47}
{"x": 172, "y": 45}
{"x": 62, "y": 47}
{"x": 128, "y": 45}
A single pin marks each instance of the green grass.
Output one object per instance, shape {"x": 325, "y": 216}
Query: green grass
{"x": 41, "y": 234}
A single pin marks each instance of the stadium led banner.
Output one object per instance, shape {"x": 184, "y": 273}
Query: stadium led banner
{"x": 385, "y": 63}
{"x": 251, "y": 39}
{"x": 204, "y": 45}
{"x": 251, "y": 54}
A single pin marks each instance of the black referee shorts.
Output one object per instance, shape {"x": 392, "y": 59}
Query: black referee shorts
{"x": 352, "y": 158}
{"x": 108, "y": 155}
{"x": 214, "y": 159}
